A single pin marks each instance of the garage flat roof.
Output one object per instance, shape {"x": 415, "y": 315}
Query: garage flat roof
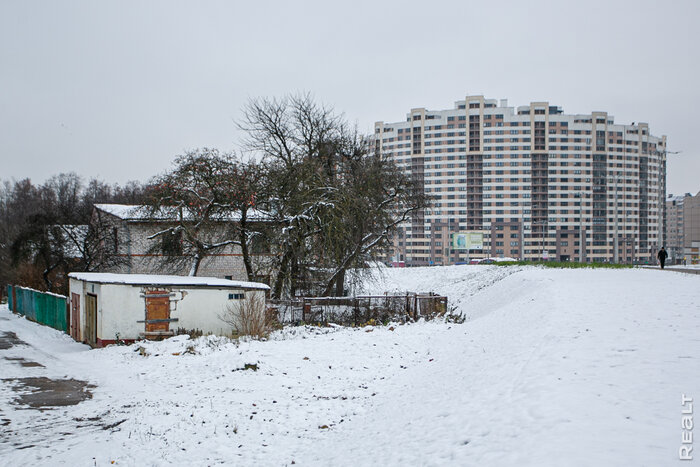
{"x": 135, "y": 212}
{"x": 157, "y": 279}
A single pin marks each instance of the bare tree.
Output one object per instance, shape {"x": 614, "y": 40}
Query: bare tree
{"x": 44, "y": 230}
{"x": 373, "y": 198}
{"x": 335, "y": 202}
{"x": 208, "y": 198}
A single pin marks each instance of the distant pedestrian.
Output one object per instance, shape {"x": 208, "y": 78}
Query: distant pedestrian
{"x": 662, "y": 255}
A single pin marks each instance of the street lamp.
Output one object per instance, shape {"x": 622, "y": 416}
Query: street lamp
{"x": 663, "y": 153}
{"x": 616, "y": 242}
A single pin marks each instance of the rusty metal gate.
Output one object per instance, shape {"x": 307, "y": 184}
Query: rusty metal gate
{"x": 157, "y": 322}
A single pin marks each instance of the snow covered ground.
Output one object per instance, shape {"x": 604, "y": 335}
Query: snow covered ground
{"x": 553, "y": 367}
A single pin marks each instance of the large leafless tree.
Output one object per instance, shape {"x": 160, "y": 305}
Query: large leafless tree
{"x": 336, "y": 202}
{"x": 205, "y": 203}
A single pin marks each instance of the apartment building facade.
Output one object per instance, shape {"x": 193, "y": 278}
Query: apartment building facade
{"x": 691, "y": 229}
{"x": 534, "y": 182}
{"x": 674, "y": 236}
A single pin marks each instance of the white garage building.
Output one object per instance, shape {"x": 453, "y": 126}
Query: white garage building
{"x": 107, "y": 307}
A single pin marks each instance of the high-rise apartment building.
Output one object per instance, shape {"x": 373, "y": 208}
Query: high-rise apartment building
{"x": 532, "y": 182}
{"x": 691, "y": 229}
{"x": 674, "y": 238}
{"x": 683, "y": 228}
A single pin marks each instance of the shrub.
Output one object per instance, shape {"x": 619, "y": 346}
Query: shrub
{"x": 193, "y": 333}
{"x": 248, "y": 317}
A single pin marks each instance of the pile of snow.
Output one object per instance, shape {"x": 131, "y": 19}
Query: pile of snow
{"x": 553, "y": 367}
{"x": 500, "y": 259}
{"x": 457, "y": 283}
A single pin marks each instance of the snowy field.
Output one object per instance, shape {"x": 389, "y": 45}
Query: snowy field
{"x": 553, "y": 367}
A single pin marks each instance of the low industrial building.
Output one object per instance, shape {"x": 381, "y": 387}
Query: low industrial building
{"x": 130, "y": 234}
{"x": 106, "y": 308}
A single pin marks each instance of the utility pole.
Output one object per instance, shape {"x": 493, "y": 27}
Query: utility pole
{"x": 662, "y": 201}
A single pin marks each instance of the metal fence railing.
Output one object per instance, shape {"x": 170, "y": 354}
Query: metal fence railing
{"x": 44, "y": 308}
{"x": 359, "y": 310}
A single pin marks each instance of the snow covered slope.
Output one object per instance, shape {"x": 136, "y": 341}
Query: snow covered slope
{"x": 553, "y": 367}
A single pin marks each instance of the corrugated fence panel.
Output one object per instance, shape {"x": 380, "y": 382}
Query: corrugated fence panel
{"x": 48, "y": 309}
{"x": 19, "y": 295}
{"x": 9, "y": 298}
{"x": 40, "y": 312}
{"x": 28, "y": 304}
{"x": 57, "y": 310}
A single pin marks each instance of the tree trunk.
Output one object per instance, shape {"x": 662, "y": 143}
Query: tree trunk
{"x": 196, "y": 260}
{"x": 279, "y": 281}
{"x": 293, "y": 273}
{"x": 242, "y": 237}
{"x": 336, "y": 285}
{"x": 47, "y": 281}
{"x": 339, "y": 275}
{"x": 340, "y": 284}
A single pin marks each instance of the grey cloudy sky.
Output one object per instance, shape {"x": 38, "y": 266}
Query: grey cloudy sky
{"x": 117, "y": 89}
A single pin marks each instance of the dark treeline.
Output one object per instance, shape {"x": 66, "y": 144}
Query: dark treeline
{"x": 43, "y": 233}
{"x": 312, "y": 194}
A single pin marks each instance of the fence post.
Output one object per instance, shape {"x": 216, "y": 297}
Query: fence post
{"x": 11, "y": 297}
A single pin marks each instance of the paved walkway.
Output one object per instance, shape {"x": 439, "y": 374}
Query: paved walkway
{"x": 675, "y": 269}
{"x": 687, "y": 271}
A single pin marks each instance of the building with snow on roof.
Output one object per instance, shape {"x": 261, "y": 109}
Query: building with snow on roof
{"x": 106, "y": 308}
{"x": 133, "y": 236}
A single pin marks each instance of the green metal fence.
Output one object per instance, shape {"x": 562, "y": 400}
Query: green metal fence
{"x": 44, "y": 308}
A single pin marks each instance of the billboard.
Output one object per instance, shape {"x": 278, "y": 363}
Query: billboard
{"x": 468, "y": 241}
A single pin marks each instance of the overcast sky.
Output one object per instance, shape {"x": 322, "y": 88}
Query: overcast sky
{"x": 118, "y": 89}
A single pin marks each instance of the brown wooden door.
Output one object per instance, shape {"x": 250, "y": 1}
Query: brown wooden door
{"x": 157, "y": 315}
{"x": 75, "y": 316}
{"x": 91, "y": 319}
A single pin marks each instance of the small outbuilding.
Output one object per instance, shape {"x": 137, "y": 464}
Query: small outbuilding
{"x": 106, "y": 308}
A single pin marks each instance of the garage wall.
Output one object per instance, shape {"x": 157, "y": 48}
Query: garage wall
{"x": 121, "y": 307}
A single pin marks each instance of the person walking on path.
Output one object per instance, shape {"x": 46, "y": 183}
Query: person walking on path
{"x": 662, "y": 255}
